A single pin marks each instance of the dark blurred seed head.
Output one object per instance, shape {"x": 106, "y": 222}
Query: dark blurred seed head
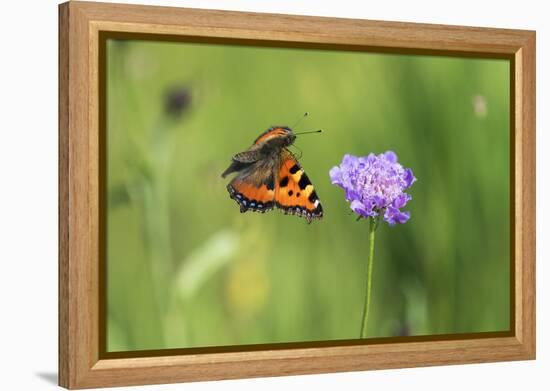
{"x": 177, "y": 100}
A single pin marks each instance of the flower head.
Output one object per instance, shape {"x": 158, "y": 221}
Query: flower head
{"x": 375, "y": 185}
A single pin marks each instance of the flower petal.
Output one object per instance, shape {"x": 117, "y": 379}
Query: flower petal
{"x": 352, "y": 195}
{"x": 390, "y": 156}
{"x": 409, "y": 178}
{"x": 395, "y": 216}
{"x": 359, "y": 208}
{"x": 349, "y": 161}
{"x": 401, "y": 200}
{"x": 378, "y": 201}
{"x": 335, "y": 174}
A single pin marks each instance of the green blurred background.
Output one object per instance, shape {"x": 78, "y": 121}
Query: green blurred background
{"x": 186, "y": 269}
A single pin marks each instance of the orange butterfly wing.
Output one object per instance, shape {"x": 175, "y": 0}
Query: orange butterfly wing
{"x": 254, "y": 191}
{"x": 294, "y": 192}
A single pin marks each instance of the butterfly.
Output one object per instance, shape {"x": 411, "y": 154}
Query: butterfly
{"x": 269, "y": 176}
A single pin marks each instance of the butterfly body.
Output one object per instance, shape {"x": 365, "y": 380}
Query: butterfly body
{"x": 269, "y": 176}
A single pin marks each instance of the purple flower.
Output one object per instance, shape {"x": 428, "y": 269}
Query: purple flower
{"x": 375, "y": 185}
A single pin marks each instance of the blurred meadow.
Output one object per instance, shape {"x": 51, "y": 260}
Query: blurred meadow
{"x": 186, "y": 269}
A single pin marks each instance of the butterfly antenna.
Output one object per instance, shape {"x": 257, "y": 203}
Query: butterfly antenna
{"x": 309, "y": 132}
{"x": 300, "y": 119}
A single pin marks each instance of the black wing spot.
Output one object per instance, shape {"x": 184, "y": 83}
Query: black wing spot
{"x": 270, "y": 184}
{"x": 294, "y": 169}
{"x": 283, "y": 182}
{"x": 304, "y": 181}
{"x": 290, "y": 192}
{"x": 297, "y": 194}
{"x": 313, "y": 197}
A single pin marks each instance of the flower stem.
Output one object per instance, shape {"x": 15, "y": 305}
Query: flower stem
{"x": 372, "y": 228}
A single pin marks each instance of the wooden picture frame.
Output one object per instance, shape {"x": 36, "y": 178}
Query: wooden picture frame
{"x": 83, "y": 364}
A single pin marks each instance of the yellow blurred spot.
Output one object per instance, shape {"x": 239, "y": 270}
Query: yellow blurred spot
{"x": 248, "y": 287}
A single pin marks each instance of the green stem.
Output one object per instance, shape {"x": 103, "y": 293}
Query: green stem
{"x": 372, "y": 228}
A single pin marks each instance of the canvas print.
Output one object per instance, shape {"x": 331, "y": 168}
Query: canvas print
{"x": 260, "y": 195}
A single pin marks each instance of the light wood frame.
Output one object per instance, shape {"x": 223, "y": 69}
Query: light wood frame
{"x": 80, "y": 361}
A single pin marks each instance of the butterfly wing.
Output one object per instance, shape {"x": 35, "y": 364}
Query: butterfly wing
{"x": 294, "y": 192}
{"x": 254, "y": 187}
{"x": 243, "y": 160}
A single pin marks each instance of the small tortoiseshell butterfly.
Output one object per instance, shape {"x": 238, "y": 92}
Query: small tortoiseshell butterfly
{"x": 269, "y": 176}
